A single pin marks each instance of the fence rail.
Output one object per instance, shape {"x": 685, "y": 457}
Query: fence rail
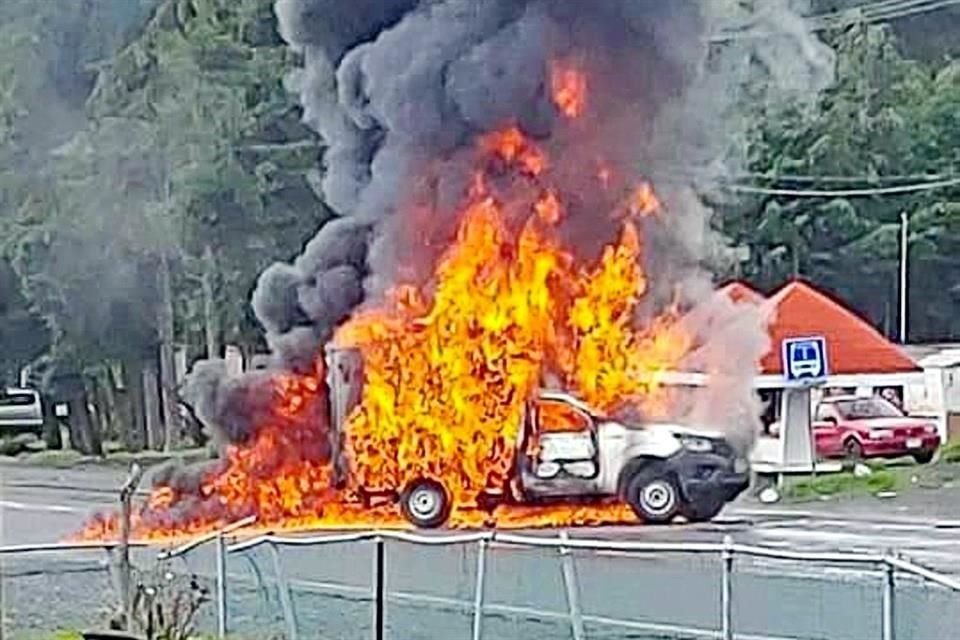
{"x": 727, "y": 551}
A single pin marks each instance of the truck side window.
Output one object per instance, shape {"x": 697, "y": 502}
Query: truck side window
{"x": 16, "y": 400}
{"x": 554, "y": 417}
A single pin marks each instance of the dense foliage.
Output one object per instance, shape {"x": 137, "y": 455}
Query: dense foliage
{"x": 887, "y": 123}
{"x": 152, "y": 163}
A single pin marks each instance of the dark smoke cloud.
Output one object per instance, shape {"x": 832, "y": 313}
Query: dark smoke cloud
{"x": 399, "y": 89}
{"x": 393, "y": 87}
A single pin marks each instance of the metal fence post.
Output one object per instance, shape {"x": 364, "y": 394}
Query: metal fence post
{"x": 378, "y": 588}
{"x": 726, "y": 590}
{"x": 889, "y": 591}
{"x": 221, "y": 586}
{"x": 573, "y": 593}
{"x": 478, "y": 590}
{"x": 124, "y": 570}
{"x": 286, "y": 596}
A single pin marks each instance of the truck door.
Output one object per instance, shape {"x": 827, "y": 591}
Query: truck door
{"x": 564, "y": 441}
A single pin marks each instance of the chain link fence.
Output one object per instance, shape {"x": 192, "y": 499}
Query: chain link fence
{"x": 399, "y": 586}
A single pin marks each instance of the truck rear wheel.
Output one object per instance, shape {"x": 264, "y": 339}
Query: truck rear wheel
{"x": 653, "y": 494}
{"x": 425, "y": 503}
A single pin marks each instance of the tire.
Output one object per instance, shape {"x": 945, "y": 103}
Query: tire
{"x": 853, "y": 450}
{"x": 425, "y": 504}
{"x": 923, "y": 457}
{"x": 653, "y": 494}
{"x": 702, "y": 510}
{"x": 51, "y": 435}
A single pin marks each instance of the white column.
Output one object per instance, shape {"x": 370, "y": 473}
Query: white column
{"x": 904, "y": 251}
{"x": 796, "y": 438}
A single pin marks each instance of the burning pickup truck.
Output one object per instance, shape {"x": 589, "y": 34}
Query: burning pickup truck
{"x": 568, "y": 452}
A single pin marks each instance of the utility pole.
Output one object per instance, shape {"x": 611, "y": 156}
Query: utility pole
{"x": 904, "y": 252}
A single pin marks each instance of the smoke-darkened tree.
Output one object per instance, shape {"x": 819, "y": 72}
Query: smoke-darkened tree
{"x": 183, "y": 162}
{"x": 885, "y": 116}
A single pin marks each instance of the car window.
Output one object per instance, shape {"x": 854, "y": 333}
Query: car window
{"x": 16, "y": 400}
{"x": 825, "y": 412}
{"x": 866, "y": 408}
{"x": 554, "y": 417}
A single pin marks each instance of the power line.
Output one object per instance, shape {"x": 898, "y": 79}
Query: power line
{"x": 866, "y": 11}
{"x": 871, "y": 180}
{"x": 876, "y": 12}
{"x": 843, "y": 193}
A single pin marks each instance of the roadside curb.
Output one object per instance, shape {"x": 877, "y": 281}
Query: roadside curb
{"x": 109, "y": 462}
{"x": 879, "y": 519}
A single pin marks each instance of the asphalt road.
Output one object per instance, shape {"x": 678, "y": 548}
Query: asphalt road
{"x": 432, "y": 589}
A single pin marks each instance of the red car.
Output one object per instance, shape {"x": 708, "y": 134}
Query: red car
{"x": 859, "y": 428}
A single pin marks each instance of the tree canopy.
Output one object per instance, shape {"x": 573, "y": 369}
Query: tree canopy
{"x": 889, "y": 121}
{"x": 153, "y": 163}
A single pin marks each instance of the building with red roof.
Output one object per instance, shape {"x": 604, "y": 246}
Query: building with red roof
{"x": 860, "y": 360}
{"x": 853, "y": 345}
{"x": 740, "y": 292}
{"x": 858, "y": 355}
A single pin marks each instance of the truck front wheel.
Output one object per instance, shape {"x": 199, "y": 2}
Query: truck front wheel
{"x": 653, "y": 494}
{"x": 425, "y": 503}
{"x": 702, "y": 510}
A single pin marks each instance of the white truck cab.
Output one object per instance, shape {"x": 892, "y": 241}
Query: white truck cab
{"x": 20, "y": 411}
{"x": 568, "y": 451}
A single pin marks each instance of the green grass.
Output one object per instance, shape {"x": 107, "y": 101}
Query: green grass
{"x": 16, "y": 444}
{"x": 39, "y": 635}
{"x": 950, "y": 452}
{"x": 894, "y": 475}
{"x": 62, "y": 459}
{"x": 843, "y": 484}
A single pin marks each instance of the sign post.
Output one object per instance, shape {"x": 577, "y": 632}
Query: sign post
{"x": 805, "y": 365}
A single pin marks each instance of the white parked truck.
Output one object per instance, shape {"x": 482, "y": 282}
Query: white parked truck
{"x": 567, "y": 452}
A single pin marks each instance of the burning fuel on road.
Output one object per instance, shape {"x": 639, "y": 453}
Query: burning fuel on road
{"x": 503, "y": 229}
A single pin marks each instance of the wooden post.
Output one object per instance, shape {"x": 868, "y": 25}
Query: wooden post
{"x": 151, "y": 405}
{"x": 168, "y": 381}
{"x": 134, "y": 434}
{"x": 211, "y": 320}
{"x": 124, "y": 571}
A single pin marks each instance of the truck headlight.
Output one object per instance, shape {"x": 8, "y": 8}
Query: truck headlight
{"x": 547, "y": 470}
{"x": 696, "y": 445}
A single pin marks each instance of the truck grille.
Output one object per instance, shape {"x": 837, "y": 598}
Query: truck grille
{"x": 723, "y": 448}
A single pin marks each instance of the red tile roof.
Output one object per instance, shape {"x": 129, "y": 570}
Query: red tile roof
{"x": 739, "y": 291}
{"x": 853, "y": 345}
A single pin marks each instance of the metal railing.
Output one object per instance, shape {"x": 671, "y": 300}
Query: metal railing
{"x": 726, "y": 551}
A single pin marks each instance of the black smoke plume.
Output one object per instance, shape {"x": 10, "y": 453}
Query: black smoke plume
{"x": 398, "y": 91}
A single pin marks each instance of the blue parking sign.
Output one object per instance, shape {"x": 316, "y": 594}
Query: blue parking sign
{"x": 805, "y": 359}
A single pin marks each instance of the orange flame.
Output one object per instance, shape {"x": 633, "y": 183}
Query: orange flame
{"x": 512, "y": 147}
{"x": 643, "y": 201}
{"x": 447, "y": 378}
{"x": 449, "y": 368}
{"x": 568, "y": 85}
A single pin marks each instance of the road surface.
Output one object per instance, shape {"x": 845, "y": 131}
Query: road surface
{"x": 432, "y": 590}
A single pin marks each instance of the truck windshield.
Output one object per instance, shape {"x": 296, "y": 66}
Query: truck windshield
{"x": 554, "y": 417}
